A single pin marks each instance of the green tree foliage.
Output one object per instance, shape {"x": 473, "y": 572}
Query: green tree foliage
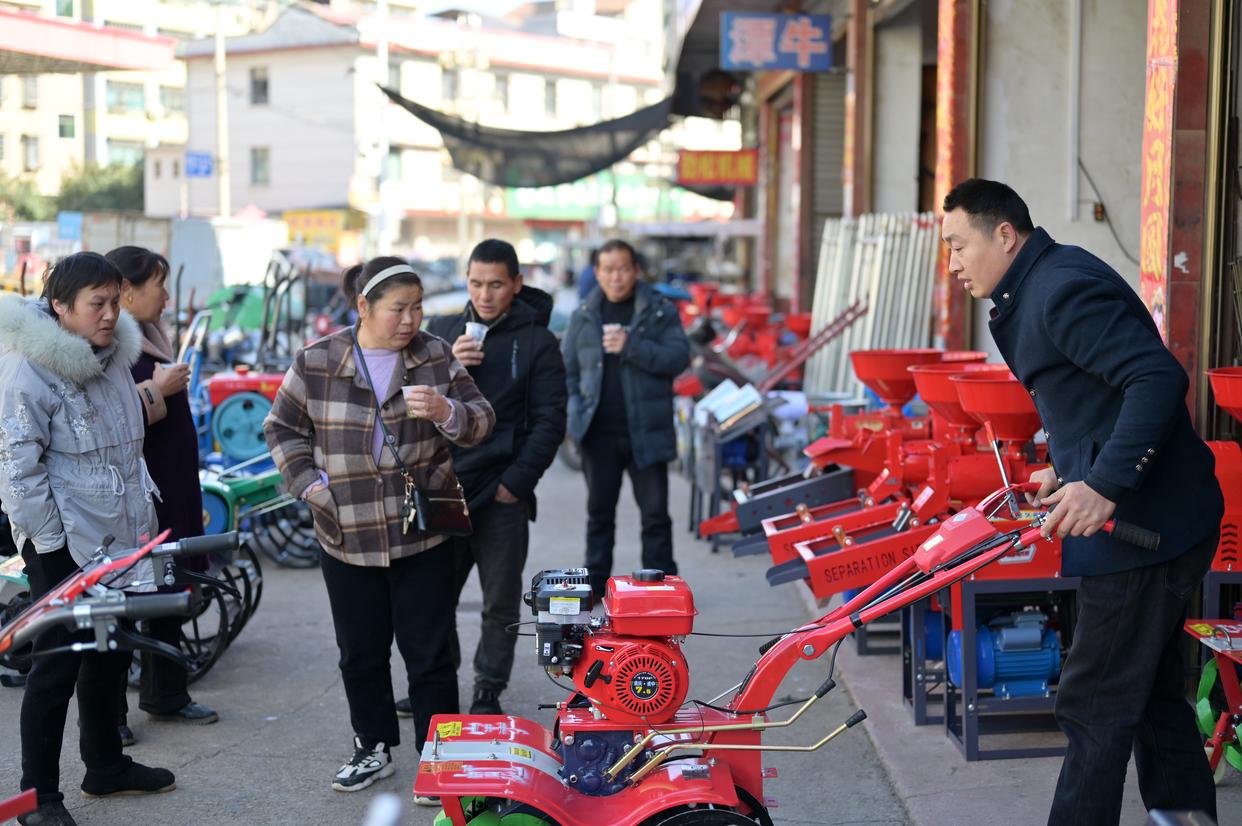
{"x": 95, "y": 187}
{"x": 20, "y": 201}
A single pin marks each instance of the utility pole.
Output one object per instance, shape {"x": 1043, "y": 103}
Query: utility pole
{"x": 384, "y": 239}
{"x": 222, "y": 119}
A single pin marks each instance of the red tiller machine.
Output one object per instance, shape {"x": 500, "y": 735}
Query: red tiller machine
{"x": 626, "y": 748}
{"x": 853, "y": 454}
{"x": 1226, "y": 566}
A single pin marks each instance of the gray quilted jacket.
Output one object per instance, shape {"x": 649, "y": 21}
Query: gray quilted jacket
{"x": 71, "y": 429}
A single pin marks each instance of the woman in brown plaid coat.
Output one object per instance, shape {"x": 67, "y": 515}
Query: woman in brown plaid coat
{"x": 382, "y": 580}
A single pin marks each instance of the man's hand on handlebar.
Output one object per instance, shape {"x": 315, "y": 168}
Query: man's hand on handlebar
{"x": 1077, "y": 511}
{"x": 1046, "y": 478}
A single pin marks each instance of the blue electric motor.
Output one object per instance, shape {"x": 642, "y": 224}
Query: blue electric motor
{"x": 1016, "y": 655}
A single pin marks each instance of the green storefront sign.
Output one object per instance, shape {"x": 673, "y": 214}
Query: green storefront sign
{"x": 638, "y": 199}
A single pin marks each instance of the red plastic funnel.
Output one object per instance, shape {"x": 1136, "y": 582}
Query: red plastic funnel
{"x": 1227, "y": 387}
{"x": 1002, "y": 400}
{"x": 886, "y": 372}
{"x": 799, "y": 324}
{"x": 940, "y": 394}
{"x": 964, "y": 356}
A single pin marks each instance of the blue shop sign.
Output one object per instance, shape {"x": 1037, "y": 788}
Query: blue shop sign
{"x": 802, "y": 42}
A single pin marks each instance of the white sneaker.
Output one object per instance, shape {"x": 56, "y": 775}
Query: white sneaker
{"x": 364, "y": 768}
{"x": 426, "y": 800}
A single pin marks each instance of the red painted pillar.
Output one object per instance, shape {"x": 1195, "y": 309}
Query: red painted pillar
{"x": 1174, "y": 169}
{"x": 955, "y": 127}
{"x": 856, "y": 158}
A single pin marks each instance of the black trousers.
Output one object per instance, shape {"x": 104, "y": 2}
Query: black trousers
{"x": 1123, "y": 688}
{"x": 52, "y": 682}
{"x": 604, "y": 459}
{"x": 164, "y": 686}
{"x": 498, "y": 547}
{"x": 413, "y": 600}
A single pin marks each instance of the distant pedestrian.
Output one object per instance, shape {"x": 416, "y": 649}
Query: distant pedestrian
{"x": 586, "y": 276}
{"x": 502, "y": 338}
{"x": 1113, "y": 400}
{"x": 623, "y": 348}
{"x": 72, "y": 475}
{"x": 171, "y": 451}
{"x": 383, "y": 577}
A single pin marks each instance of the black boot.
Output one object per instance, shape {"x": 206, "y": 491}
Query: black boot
{"x": 486, "y": 701}
{"x": 49, "y": 814}
{"x": 135, "y": 778}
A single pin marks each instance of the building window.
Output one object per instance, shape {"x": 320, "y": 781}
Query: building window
{"x": 392, "y": 168}
{"x": 1, "y": 147}
{"x": 448, "y": 85}
{"x": 64, "y": 8}
{"x": 260, "y": 165}
{"x": 125, "y": 98}
{"x": 30, "y": 153}
{"x": 549, "y": 97}
{"x": 126, "y": 153}
{"x": 176, "y": 168}
{"x": 172, "y": 98}
{"x": 394, "y": 75}
{"x": 67, "y": 129}
{"x": 500, "y": 92}
{"x": 155, "y": 168}
{"x": 30, "y": 92}
{"x": 597, "y": 101}
{"x": 258, "y": 85}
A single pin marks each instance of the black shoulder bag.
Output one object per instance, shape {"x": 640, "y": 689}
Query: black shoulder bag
{"x": 434, "y": 511}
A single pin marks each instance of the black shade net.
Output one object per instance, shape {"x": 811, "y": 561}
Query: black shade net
{"x": 514, "y": 158}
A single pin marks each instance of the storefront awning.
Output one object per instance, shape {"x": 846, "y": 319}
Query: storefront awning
{"x": 32, "y": 44}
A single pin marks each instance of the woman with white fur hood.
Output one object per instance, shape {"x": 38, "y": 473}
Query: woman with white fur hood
{"x": 72, "y": 473}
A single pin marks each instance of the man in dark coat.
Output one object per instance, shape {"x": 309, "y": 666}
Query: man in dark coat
{"x": 1112, "y": 401}
{"x": 623, "y": 348}
{"x": 517, "y": 366}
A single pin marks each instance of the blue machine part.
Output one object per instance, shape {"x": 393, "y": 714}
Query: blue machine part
{"x": 733, "y": 453}
{"x": 1016, "y": 655}
{"x": 589, "y": 758}
{"x": 237, "y": 425}
{"x": 933, "y": 633}
{"x": 217, "y": 515}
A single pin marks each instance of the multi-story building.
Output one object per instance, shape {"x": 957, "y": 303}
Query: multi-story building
{"x": 51, "y": 123}
{"x": 312, "y": 137}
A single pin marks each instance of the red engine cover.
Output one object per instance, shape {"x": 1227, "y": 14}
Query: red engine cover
{"x": 663, "y": 608}
{"x": 637, "y": 681}
{"x": 223, "y": 385}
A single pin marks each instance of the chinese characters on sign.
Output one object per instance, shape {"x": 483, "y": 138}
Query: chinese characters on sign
{"x": 802, "y": 42}
{"x": 702, "y": 168}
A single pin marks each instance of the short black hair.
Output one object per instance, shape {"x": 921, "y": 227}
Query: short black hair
{"x": 495, "y": 251}
{"x": 356, "y": 277}
{"x": 138, "y": 264}
{"x": 989, "y": 204}
{"x": 77, "y": 272}
{"x": 614, "y": 244}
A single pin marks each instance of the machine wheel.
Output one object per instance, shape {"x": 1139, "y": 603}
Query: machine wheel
{"x": 205, "y": 633}
{"x": 1209, "y": 703}
{"x": 702, "y": 816}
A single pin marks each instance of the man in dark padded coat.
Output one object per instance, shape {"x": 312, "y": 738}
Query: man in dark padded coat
{"x": 1113, "y": 403}
{"x": 517, "y": 366}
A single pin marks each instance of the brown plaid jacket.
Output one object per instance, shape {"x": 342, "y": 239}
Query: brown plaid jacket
{"x": 324, "y": 419}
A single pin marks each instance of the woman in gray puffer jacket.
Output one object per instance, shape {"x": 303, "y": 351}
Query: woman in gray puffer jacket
{"x": 72, "y": 473}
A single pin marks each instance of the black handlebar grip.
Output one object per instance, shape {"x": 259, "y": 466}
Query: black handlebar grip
{"x": 214, "y": 543}
{"x": 157, "y": 605}
{"x": 1134, "y": 535}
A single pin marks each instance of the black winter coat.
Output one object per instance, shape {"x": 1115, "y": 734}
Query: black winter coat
{"x": 1112, "y": 399}
{"x": 656, "y": 351}
{"x": 171, "y": 451}
{"x": 523, "y": 378}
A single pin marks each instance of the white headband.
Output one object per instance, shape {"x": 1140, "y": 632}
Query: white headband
{"x": 384, "y": 275}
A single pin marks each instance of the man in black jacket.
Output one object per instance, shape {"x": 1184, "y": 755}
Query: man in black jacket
{"x": 623, "y": 348}
{"x": 1112, "y": 400}
{"x": 517, "y": 365}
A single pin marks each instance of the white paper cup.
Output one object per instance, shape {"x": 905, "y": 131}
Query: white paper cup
{"x": 476, "y": 331}
{"x": 405, "y": 392}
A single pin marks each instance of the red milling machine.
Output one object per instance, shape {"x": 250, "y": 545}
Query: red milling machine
{"x": 842, "y": 546}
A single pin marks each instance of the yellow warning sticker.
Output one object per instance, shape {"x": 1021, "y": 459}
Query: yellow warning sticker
{"x": 521, "y": 752}
{"x": 452, "y": 729}
{"x": 564, "y": 605}
{"x": 1202, "y": 628}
